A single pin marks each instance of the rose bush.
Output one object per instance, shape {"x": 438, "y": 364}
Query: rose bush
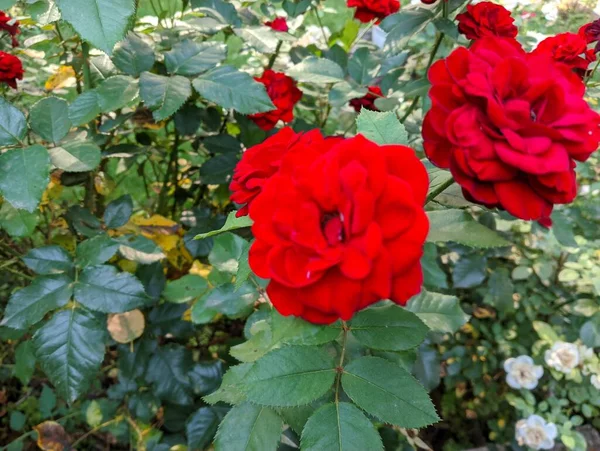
{"x": 326, "y": 224}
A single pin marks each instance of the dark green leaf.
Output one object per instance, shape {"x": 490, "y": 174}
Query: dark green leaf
{"x": 248, "y": 427}
{"x": 232, "y": 223}
{"x": 202, "y": 427}
{"x": 191, "y": 58}
{"x": 17, "y": 420}
{"x": 84, "y": 108}
{"x": 96, "y": 251}
{"x": 563, "y": 230}
{"x": 206, "y": 377}
{"x": 469, "y": 271}
{"x": 118, "y": 212}
{"x": 230, "y": 88}
{"x": 340, "y": 426}
{"x": 389, "y": 328}
{"x": 76, "y": 156}
{"x": 164, "y": 95}
{"x": 363, "y": 66}
{"x": 70, "y": 349}
{"x": 24, "y": 361}
{"x": 221, "y": 10}
{"x": 13, "y": 125}
{"x": 30, "y": 304}
{"x": 47, "y": 402}
{"x": 440, "y": 312}
{"x": 231, "y": 389}
{"x": 227, "y": 300}
{"x": 49, "y": 118}
{"x": 24, "y": 176}
{"x": 433, "y": 275}
{"x": 185, "y": 289}
{"x": 116, "y": 92}
{"x": 169, "y": 370}
{"x": 104, "y": 289}
{"x": 381, "y": 128}
{"x": 388, "y": 392}
{"x": 590, "y": 332}
{"x": 218, "y": 169}
{"x": 133, "y": 56}
{"x": 317, "y": 70}
{"x": 48, "y": 260}
{"x": 460, "y": 227}
{"x": 428, "y": 368}
{"x": 244, "y": 272}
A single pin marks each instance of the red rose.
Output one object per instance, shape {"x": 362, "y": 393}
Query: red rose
{"x": 367, "y": 10}
{"x": 11, "y": 69}
{"x": 486, "y": 19}
{"x": 570, "y": 49}
{"x": 278, "y": 24}
{"x": 339, "y": 227}
{"x": 509, "y": 126}
{"x": 591, "y": 33}
{"x": 368, "y": 100}
{"x": 284, "y": 93}
{"x": 11, "y": 26}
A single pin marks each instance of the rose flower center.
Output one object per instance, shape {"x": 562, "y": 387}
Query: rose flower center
{"x": 332, "y": 227}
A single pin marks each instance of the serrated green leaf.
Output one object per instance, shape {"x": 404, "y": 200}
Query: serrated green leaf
{"x": 363, "y": 66}
{"x": 389, "y": 328}
{"x": 460, "y": 227}
{"x": 30, "y": 304}
{"x": 227, "y": 300}
{"x": 317, "y": 70}
{"x": 248, "y": 427}
{"x": 13, "y": 125}
{"x": 226, "y": 252}
{"x": 290, "y": 376}
{"x": 70, "y": 349}
{"x": 116, "y": 92}
{"x": 440, "y": 312}
{"x": 220, "y": 10}
{"x": 340, "y": 426}
{"x": 388, "y": 392}
{"x": 101, "y": 22}
{"x": 230, "y": 88}
{"x": 84, "y": 108}
{"x": 202, "y": 426}
{"x": 164, "y": 95}
{"x": 191, "y": 58}
{"x": 76, "y": 156}
{"x": 263, "y": 39}
{"x": 381, "y": 128}
{"x": 49, "y": 118}
{"x": 133, "y": 55}
{"x": 48, "y": 260}
{"x": 244, "y": 272}
{"x": 185, "y": 289}
{"x": 18, "y": 223}
{"x": 96, "y": 251}
{"x": 231, "y": 390}
{"x": 104, "y": 289}
{"x": 118, "y": 212}
{"x": 231, "y": 223}
{"x": 24, "y": 176}
{"x": 168, "y": 371}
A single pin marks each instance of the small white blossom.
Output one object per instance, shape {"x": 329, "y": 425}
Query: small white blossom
{"x": 563, "y": 357}
{"x": 314, "y": 35}
{"x": 550, "y": 11}
{"x": 521, "y": 372}
{"x": 595, "y": 380}
{"x": 535, "y": 433}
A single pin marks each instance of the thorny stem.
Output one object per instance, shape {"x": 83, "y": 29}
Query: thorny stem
{"x": 439, "y": 190}
{"x": 340, "y": 367}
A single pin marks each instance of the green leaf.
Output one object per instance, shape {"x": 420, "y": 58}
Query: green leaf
{"x": 388, "y": 392}
{"x": 84, "y": 108}
{"x": 24, "y": 176}
{"x": 191, "y": 58}
{"x": 500, "y": 290}
{"x": 227, "y": 300}
{"x": 13, "y": 125}
{"x": 428, "y": 367}
{"x": 17, "y": 420}
{"x": 438, "y": 179}
{"x": 76, "y": 156}
{"x": 207, "y": 376}
{"x": 433, "y": 274}
{"x": 563, "y": 230}
{"x": 440, "y": 312}
{"x": 202, "y": 426}
{"x": 30, "y": 304}
{"x": 317, "y": 70}
{"x": 48, "y": 260}
{"x": 469, "y": 271}
{"x": 220, "y": 10}
{"x": 218, "y": 169}
{"x": 381, "y": 128}
{"x": 49, "y": 118}
{"x": 340, "y": 426}
{"x": 118, "y": 212}
{"x": 96, "y": 251}
{"x": 133, "y": 55}
{"x": 104, "y": 289}
{"x": 290, "y": 376}
{"x": 460, "y": 227}
{"x": 5, "y": 4}
{"x": 164, "y": 95}
{"x": 230, "y": 390}
{"x": 70, "y": 349}
{"x": 545, "y": 331}
{"x": 140, "y": 249}
{"x": 262, "y": 38}
{"x": 590, "y": 332}
{"x": 389, "y": 328}
{"x": 243, "y": 272}
{"x": 168, "y": 371}
{"x": 18, "y": 223}
{"x": 116, "y": 92}
{"x": 447, "y": 27}
{"x": 185, "y": 289}
{"x": 47, "y": 402}
{"x": 248, "y": 427}
{"x": 226, "y": 252}
{"x": 400, "y": 27}
{"x": 101, "y": 22}
{"x": 363, "y": 66}
{"x": 24, "y": 362}
{"x": 230, "y": 88}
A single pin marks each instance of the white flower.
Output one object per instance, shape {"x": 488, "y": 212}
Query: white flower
{"x": 521, "y": 372}
{"x": 550, "y": 11}
{"x": 314, "y": 35}
{"x": 535, "y": 433}
{"x": 595, "y": 380}
{"x": 562, "y": 356}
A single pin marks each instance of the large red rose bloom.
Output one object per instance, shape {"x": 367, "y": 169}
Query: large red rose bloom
{"x": 367, "y": 10}
{"x": 339, "y": 227}
{"x": 568, "y": 48}
{"x": 368, "y": 100}
{"x": 283, "y": 93}
{"x": 11, "y": 69}
{"x": 509, "y": 126}
{"x": 486, "y": 19}
{"x": 591, "y": 33}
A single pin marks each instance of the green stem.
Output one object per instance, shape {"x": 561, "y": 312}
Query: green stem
{"x": 589, "y": 78}
{"x": 274, "y": 55}
{"x": 340, "y": 367}
{"x": 439, "y": 190}
{"x": 321, "y": 26}
{"x": 170, "y": 176}
{"x": 410, "y": 109}
{"x": 97, "y": 428}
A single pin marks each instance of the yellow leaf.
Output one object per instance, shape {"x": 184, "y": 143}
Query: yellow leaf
{"x": 153, "y": 221}
{"x": 200, "y": 269}
{"x": 187, "y": 315}
{"x": 63, "y": 77}
{"x": 103, "y": 184}
{"x": 179, "y": 256}
{"x": 126, "y": 327}
{"x": 54, "y": 189}
{"x": 127, "y": 266}
{"x": 52, "y": 436}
